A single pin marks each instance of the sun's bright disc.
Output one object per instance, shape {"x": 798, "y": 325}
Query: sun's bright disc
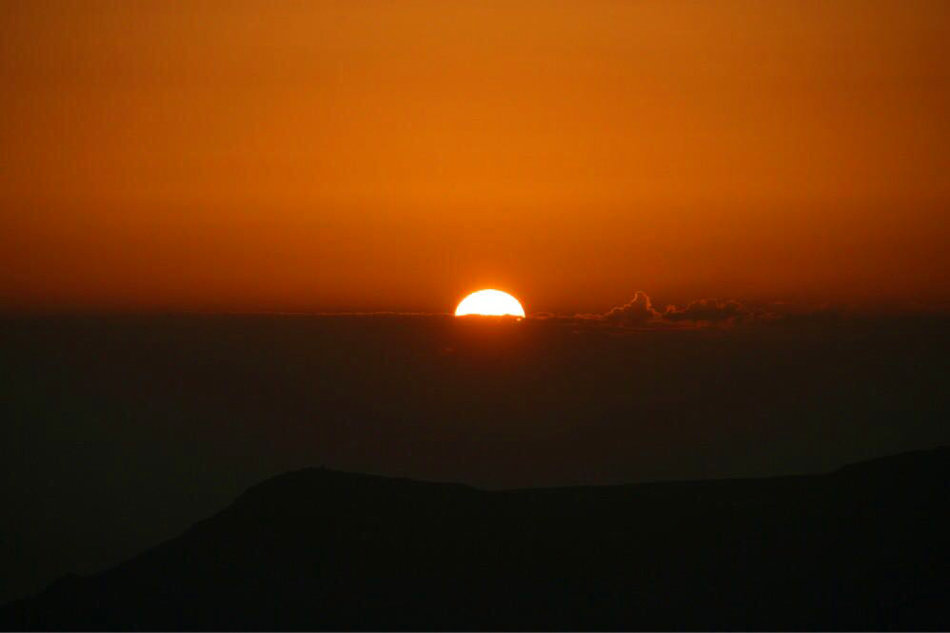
{"x": 490, "y": 303}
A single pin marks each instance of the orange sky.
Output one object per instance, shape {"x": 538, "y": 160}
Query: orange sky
{"x": 395, "y": 155}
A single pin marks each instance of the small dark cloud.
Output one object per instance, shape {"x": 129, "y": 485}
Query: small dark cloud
{"x": 709, "y": 311}
{"x": 637, "y": 311}
{"x": 640, "y": 312}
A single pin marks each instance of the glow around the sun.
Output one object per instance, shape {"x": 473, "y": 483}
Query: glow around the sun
{"x": 490, "y": 303}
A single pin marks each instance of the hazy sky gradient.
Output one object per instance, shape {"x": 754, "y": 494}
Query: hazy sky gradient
{"x": 396, "y": 155}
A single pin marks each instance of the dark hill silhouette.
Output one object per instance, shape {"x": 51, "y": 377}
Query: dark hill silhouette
{"x": 865, "y": 547}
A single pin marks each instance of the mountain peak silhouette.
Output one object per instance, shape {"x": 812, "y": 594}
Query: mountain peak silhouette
{"x": 863, "y": 547}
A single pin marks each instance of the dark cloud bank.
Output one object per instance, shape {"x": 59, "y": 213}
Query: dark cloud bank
{"x": 640, "y": 311}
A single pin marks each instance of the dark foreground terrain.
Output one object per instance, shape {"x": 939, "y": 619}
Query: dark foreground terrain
{"x": 865, "y": 547}
{"x": 119, "y": 432}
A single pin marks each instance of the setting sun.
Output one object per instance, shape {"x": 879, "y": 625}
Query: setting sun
{"x": 490, "y": 303}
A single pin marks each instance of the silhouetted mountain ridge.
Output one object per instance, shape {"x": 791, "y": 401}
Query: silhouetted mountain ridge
{"x": 864, "y": 547}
